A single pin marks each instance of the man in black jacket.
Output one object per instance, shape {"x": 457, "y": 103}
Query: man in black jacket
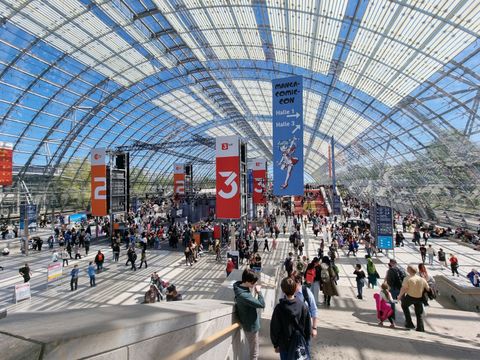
{"x": 289, "y": 315}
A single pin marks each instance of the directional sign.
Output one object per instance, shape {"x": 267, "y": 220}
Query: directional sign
{"x": 384, "y": 227}
{"x": 287, "y": 119}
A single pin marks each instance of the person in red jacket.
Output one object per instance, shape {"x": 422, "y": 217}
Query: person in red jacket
{"x": 230, "y": 266}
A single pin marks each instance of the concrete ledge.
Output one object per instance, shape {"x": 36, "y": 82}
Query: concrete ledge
{"x": 464, "y": 296}
{"x": 120, "y": 332}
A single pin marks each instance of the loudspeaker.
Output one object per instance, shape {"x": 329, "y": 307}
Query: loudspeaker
{"x": 188, "y": 169}
{"x": 120, "y": 161}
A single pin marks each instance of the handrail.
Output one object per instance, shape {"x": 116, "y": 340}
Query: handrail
{"x": 192, "y": 349}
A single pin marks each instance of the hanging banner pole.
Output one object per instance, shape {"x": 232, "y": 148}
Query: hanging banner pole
{"x": 99, "y": 182}
{"x": 334, "y": 180}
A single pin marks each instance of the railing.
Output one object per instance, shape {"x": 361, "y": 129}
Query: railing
{"x": 195, "y": 348}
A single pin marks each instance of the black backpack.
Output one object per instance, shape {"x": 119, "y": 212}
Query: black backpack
{"x": 298, "y": 349}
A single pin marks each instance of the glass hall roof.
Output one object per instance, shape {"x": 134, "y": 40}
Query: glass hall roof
{"x": 387, "y": 78}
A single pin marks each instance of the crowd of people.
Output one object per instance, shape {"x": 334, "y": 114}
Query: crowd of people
{"x": 308, "y": 283}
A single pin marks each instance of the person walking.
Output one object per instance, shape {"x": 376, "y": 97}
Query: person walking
{"x": 265, "y": 247}
{"x": 288, "y": 264}
{"x": 328, "y": 280}
{"x": 431, "y": 254}
{"x": 411, "y": 293}
{"x": 360, "y": 279}
{"x": 91, "y": 273}
{"x": 442, "y": 258}
{"x": 99, "y": 259}
{"x": 394, "y": 278}
{"x": 372, "y": 273}
{"x": 304, "y": 294}
{"x": 290, "y": 327}
{"x": 384, "y": 303}
{"x": 25, "y": 272}
{"x": 454, "y": 264}
{"x": 116, "y": 251}
{"x": 230, "y": 266}
{"x": 133, "y": 258}
{"x": 247, "y": 305}
{"x": 54, "y": 256}
{"x": 143, "y": 259}
{"x": 64, "y": 256}
{"x": 74, "y": 277}
{"x": 423, "y": 252}
{"x": 86, "y": 243}
{"x": 129, "y": 255}
{"x": 77, "y": 252}
{"x": 69, "y": 249}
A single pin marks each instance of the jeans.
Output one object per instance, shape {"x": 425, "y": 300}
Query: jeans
{"x": 73, "y": 282}
{"x": 418, "y": 303}
{"x": 360, "y": 288}
{"x": 315, "y": 290}
{"x": 116, "y": 256}
{"x": 252, "y": 338}
{"x": 394, "y": 292}
{"x": 92, "y": 280}
{"x": 430, "y": 259}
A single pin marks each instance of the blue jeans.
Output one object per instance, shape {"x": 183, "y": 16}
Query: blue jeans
{"x": 283, "y": 355}
{"x": 394, "y": 293}
{"x": 360, "y": 287}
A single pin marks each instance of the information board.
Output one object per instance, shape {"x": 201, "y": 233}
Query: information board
{"x": 384, "y": 226}
{"x": 31, "y": 210}
{"x": 54, "y": 272}
{"x": 287, "y": 123}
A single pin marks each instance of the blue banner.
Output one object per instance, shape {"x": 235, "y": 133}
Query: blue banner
{"x": 31, "y": 210}
{"x": 337, "y": 205}
{"x": 287, "y": 123}
{"x": 250, "y": 181}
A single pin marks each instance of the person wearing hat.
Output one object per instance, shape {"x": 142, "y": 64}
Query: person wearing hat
{"x": 172, "y": 294}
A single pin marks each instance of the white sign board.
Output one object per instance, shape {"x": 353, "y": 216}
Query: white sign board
{"x": 22, "y": 291}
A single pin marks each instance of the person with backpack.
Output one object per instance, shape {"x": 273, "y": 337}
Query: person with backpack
{"x": 442, "y": 258}
{"x": 99, "y": 259}
{"x": 247, "y": 305}
{"x": 304, "y": 294}
{"x": 291, "y": 326}
{"x": 394, "y": 279}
